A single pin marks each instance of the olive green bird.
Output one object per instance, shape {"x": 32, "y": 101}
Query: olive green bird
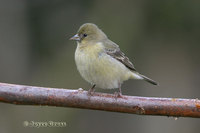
{"x": 101, "y": 62}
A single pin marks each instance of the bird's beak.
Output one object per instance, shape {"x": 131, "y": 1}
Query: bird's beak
{"x": 75, "y": 37}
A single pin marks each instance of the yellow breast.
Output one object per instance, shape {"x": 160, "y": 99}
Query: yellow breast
{"x": 96, "y": 67}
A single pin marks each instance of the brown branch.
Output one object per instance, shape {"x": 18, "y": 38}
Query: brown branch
{"x": 30, "y": 95}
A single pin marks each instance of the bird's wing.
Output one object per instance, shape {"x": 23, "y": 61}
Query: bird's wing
{"x": 114, "y": 51}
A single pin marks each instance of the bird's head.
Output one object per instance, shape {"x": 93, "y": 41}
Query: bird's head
{"x": 89, "y": 32}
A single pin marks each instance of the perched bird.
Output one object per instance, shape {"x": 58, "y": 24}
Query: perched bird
{"x": 100, "y": 61}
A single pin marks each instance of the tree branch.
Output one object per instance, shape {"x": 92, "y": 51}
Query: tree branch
{"x": 30, "y": 95}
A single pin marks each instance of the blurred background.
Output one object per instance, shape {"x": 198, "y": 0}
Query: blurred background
{"x": 162, "y": 38}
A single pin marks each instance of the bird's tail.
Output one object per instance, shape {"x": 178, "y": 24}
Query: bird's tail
{"x": 140, "y": 76}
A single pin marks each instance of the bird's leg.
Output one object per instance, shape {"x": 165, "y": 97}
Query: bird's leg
{"x": 91, "y": 90}
{"x": 119, "y": 93}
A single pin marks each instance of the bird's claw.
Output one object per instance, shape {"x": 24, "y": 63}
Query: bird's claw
{"x": 118, "y": 95}
{"x": 90, "y": 93}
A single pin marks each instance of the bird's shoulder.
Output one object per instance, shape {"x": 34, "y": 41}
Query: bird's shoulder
{"x": 114, "y": 51}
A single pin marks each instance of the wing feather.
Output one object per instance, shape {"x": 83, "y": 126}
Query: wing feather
{"x": 114, "y": 51}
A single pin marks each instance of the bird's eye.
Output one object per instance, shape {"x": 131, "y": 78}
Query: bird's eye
{"x": 84, "y": 35}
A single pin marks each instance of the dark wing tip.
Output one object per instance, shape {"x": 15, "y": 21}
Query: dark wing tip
{"x": 149, "y": 80}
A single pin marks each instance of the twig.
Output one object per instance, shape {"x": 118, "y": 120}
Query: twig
{"x": 30, "y": 95}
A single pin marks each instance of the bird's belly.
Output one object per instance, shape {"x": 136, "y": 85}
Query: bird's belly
{"x": 101, "y": 69}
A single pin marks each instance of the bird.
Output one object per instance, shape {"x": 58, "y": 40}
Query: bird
{"x": 101, "y": 62}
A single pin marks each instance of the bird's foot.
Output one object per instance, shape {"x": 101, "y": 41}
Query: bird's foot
{"x": 118, "y": 95}
{"x": 91, "y": 90}
{"x": 90, "y": 93}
